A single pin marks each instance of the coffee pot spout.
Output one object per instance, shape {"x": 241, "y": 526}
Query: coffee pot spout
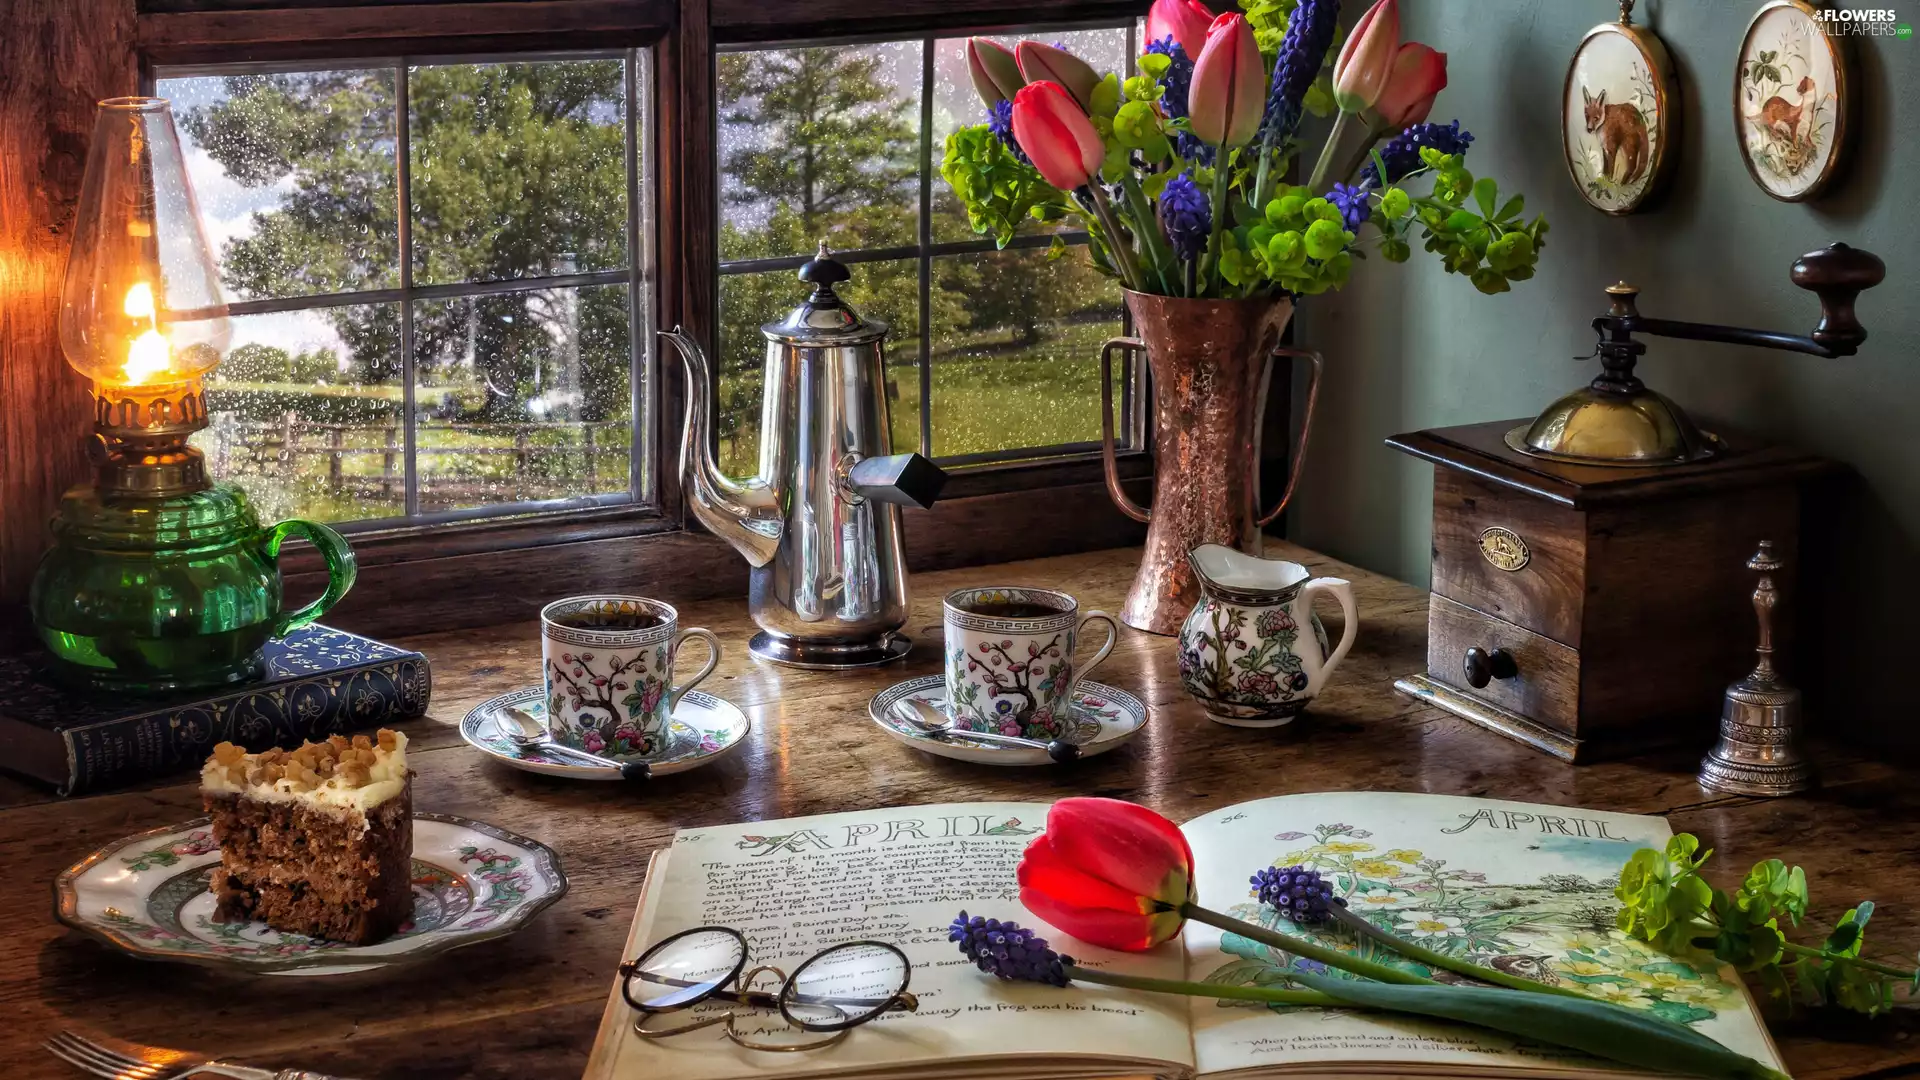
{"x": 901, "y": 479}
{"x": 749, "y": 514}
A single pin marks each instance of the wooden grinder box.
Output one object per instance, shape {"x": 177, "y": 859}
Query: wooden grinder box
{"x": 1594, "y": 611}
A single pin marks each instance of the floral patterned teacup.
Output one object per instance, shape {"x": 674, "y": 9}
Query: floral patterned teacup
{"x": 1010, "y": 666}
{"x": 609, "y": 672}
{"x": 1252, "y": 651}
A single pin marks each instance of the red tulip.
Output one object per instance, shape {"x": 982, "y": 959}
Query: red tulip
{"x": 1044, "y": 63}
{"x": 996, "y": 75}
{"x": 1185, "y": 21}
{"x": 1107, "y": 872}
{"x": 1057, "y": 135}
{"x": 1366, "y": 60}
{"x": 1229, "y": 89}
{"x": 1418, "y": 76}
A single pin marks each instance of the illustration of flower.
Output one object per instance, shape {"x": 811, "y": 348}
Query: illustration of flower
{"x": 1273, "y": 621}
{"x": 1425, "y": 924}
{"x": 1404, "y": 855}
{"x": 1259, "y": 683}
{"x": 1617, "y": 993}
{"x": 1381, "y": 900}
{"x": 592, "y": 743}
{"x": 1378, "y": 868}
{"x": 1344, "y": 847}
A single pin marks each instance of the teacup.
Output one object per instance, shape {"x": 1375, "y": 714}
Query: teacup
{"x": 1010, "y": 665}
{"x": 608, "y": 665}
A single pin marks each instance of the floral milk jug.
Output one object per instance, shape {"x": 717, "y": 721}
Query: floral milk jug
{"x": 1252, "y": 651}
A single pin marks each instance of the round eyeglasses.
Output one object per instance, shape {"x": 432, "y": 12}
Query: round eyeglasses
{"x": 834, "y": 991}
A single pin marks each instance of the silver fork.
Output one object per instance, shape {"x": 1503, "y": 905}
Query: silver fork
{"x": 119, "y": 1059}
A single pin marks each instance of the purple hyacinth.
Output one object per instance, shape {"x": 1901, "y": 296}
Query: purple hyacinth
{"x": 1187, "y": 217}
{"x": 1176, "y": 83}
{"x": 1007, "y": 950}
{"x": 1309, "y": 36}
{"x": 1297, "y": 893}
{"x": 1000, "y": 122}
{"x": 1402, "y": 152}
{"x": 1354, "y": 207}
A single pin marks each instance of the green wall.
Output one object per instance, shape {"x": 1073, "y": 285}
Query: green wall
{"x": 1410, "y": 347}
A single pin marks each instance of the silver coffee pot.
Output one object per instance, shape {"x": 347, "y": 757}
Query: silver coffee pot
{"x": 820, "y": 522}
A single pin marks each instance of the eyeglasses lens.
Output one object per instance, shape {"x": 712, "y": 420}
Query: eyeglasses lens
{"x": 844, "y": 986}
{"x": 683, "y": 970}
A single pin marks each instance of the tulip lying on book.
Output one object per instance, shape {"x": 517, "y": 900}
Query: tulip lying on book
{"x": 1121, "y": 876}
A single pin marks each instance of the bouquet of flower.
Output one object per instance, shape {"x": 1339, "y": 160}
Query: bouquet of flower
{"x": 1177, "y": 172}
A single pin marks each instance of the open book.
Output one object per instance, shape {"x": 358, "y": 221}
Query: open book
{"x": 1527, "y": 889}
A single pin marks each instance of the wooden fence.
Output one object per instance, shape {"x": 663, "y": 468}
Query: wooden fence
{"x": 282, "y": 446}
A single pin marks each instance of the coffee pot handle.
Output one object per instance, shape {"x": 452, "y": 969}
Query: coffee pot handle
{"x": 1127, "y": 506}
{"x": 1306, "y": 423}
{"x": 1342, "y": 591}
{"x": 341, "y": 569}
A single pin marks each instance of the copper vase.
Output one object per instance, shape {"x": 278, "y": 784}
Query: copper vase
{"x": 1211, "y": 362}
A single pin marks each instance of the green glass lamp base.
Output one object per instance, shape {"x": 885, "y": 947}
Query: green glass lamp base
{"x": 146, "y": 595}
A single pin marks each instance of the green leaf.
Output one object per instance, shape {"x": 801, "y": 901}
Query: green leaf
{"x": 1057, "y": 248}
{"x": 1511, "y": 209}
{"x": 1485, "y": 191}
{"x": 1394, "y": 203}
{"x": 1460, "y": 221}
{"x": 1155, "y": 64}
{"x": 1604, "y": 1030}
{"x": 1105, "y": 97}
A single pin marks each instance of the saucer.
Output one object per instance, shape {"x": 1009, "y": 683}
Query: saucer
{"x": 147, "y": 896}
{"x": 703, "y": 730}
{"x": 1103, "y": 719}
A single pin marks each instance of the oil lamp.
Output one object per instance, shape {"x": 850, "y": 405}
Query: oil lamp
{"x": 158, "y": 578}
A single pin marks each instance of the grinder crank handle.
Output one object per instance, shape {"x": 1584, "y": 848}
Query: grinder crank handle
{"x": 1836, "y": 274}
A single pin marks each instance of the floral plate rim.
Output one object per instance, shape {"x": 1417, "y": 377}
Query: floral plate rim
{"x": 349, "y": 959}
{"x": 1132, "y": 708}
{"x": 484, "y": 712}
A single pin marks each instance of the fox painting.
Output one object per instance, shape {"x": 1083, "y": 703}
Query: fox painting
{"x": 1624, "y": 147}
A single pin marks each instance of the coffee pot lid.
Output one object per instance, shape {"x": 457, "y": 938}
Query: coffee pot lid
{"x": 824, "y": 319}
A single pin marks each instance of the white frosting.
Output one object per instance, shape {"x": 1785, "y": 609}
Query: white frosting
{"x": 387, "y": 779}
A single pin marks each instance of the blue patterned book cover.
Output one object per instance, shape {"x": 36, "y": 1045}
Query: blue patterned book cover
{"x": 316, "y": 682}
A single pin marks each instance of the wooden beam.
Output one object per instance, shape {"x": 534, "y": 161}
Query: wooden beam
{"x": 761, "y": 20}
{"x": 177, "y": 36}
{"x": 60, "y": 57}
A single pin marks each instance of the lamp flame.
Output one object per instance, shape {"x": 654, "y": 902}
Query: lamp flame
{"x": 149, "y": 354}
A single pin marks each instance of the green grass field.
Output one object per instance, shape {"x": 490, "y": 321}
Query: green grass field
{"x": 986, "y": 396}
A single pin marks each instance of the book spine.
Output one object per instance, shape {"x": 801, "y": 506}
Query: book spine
{"x": 177, "y": 738}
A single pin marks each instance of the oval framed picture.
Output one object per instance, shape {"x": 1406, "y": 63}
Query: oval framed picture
{"x": 1618, "y": 113}
{"x": 1790, "y": 100}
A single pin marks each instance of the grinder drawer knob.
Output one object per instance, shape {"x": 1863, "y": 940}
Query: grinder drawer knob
{"x": 1482, "y": 667}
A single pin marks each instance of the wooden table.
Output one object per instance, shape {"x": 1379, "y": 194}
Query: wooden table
{"x": 525, "y": 1007}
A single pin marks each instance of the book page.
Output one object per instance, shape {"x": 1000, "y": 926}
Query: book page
{"x": 896, "y": 875}
{"x": 1522, "y": 888}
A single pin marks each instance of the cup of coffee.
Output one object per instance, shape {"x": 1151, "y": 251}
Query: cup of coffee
{"x": 608, "y": 664}
{"x": 1010, "y": 659}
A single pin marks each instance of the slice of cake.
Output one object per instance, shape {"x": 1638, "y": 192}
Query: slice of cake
{"x": 315, "y": 841}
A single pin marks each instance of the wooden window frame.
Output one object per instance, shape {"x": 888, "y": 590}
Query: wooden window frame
{"x": 423, "y": 578}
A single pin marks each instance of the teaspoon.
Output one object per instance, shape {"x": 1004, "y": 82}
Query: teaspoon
{"x": 526, "y": 733}
{"x": 930, "y": 721}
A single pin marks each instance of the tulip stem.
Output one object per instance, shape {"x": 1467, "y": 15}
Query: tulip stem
{"x": 1123, "y": 260}
{"x": 1222, "y": 177}
{"x": 1412, "y": 951}
{"x": 1325, "y": 162}
{"x": 1195, "y": 989}
{"x": 1300, "y": 946}
{"x": 1156, "y": 248}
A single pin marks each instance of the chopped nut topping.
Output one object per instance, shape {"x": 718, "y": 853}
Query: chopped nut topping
{"x": 344, "y": 762}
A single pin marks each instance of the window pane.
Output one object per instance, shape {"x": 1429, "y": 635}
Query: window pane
{"x": 888, "y": 291}
{"x": 522, "y": 396}
{"x": 1016, "y": 350}
{"x": 295, "y": 178}
{"x": 519, "y": 170}
{"x": 818, "y": 144}
{"x": 305, "y": 414}
{"x": 956, "y": 104}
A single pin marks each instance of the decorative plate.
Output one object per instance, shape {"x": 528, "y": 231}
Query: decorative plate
{"x": 1790, "y": 95}
{"x": 147, "y": 895}
{"x": 1618, "y": 113}
{"x": 704, "y": 730}
{"x": 1103, "y": 717}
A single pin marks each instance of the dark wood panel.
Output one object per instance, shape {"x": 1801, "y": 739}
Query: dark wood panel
{"x": 168, "y": 35}
{"x": 762, "y": 20}
{"x": 1547, "y": 594}
{"x": 59, "y": 58}
{"x": 1546, "y": 688}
